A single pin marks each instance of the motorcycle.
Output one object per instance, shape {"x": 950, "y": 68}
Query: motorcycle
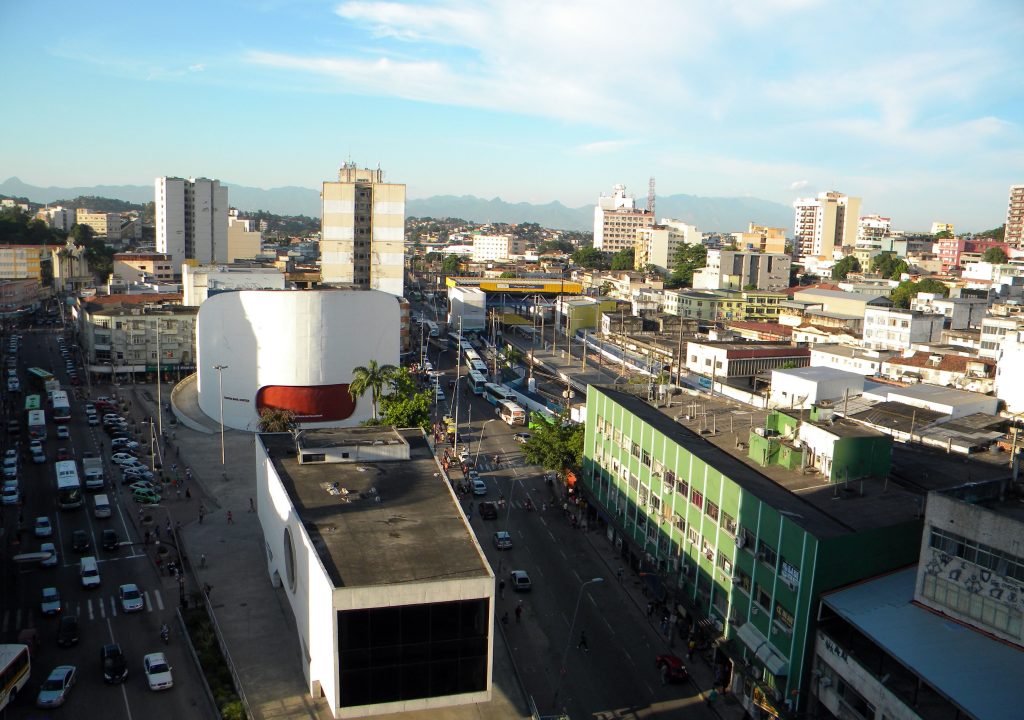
{"x": 528, "y": 504}
{"x": 165, "y": 633}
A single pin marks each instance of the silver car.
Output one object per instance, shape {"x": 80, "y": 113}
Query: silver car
{"x": 55, "y": 688}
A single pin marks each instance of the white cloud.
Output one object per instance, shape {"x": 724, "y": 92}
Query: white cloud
{"x": 604, "y": 147}
{"x": 197, "y": 67}
{"x": 798, "y": 184}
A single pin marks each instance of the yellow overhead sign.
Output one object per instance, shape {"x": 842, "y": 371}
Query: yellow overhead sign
{"x": 523, "y": 286}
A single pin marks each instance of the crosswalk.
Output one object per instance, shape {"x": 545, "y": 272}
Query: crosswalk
{"x": 98, "y": 608}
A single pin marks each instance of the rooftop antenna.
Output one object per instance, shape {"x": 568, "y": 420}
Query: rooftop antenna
{"x": 650, "y": 196}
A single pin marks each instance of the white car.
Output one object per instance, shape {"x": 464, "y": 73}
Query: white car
{"x": 158, "y": 672}
{"x": 53, "y": 559}
{"x": 123, "y": 459}
{"x": 51, "y": 601}
{"x": 63, "y": 433}
{"x": 43, "y": 528}
{"x": 92, "y": 419}
{"x": 11, "y": 494}
{"x": 36, "y": 446}
{"x": 131, "y": 598}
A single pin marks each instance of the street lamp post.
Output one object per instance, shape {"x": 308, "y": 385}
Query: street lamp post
{"x": 220, "y": 385}
{"x": 572, "y": 625}
{"x": 480, "y": 441}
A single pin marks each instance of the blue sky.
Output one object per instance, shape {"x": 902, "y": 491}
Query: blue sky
{"x": 915, "y": 106}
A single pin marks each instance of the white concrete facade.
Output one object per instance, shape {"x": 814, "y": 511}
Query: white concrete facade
{"x": 1009, "y": 384}
{"x": 801, "y": 388}
{"x": 893, "y": 329}
{"x": 191, "y": 219}
{"x": 617, "y": 220}
{"x": 734, "y": 270}
{"x": 303, "y": 342}
{"x": 657, "y": 245}
{"x": 198, "y": 282}
{"x": 468, "y": 305}
{"x": 496, "y": 247}
{"x": 824, "y": 223}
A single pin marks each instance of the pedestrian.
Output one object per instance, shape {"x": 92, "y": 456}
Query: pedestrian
{"x": 691, "y": 645}
{"x": 519, "y": 613}
{"x": 177, "y": 491}
{"x": 710, "y": 698}
{"x": 202, "y": 514}
{"x": 145, "y": 538}
{"x": 188, "y": 494}
{"x": 664, "y": 673}
{"x": 252, "y": 505}
{"x": 504, "y": 618}
{"x": 168, "y": 528}
{"x": 156, "y": 531}
{"x": 650, "y": 608}
{"x": 206, "y": 589}
{"x": 619, "y": 574}
{"x": 202, "y": 560}
{"x": 231, "y": 518}
{"x": 582, "y": 644}
{"x": 501, "y": 588}
{"x": 159, "y": 563}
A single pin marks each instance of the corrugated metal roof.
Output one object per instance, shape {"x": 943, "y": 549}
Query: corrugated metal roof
{"x": 979, "y": 674}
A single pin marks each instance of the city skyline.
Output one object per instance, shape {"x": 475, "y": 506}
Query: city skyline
{"x": 908, "y": 106}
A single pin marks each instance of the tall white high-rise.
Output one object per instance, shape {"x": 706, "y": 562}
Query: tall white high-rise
{"x": 1015, "y": 217}
{"x": 191, "y": 220}
{"x": 873, "y": 227}
{"x": 362, "y": 240}
{"x": 616, "y": 220}
{"x": 825, "y": 223}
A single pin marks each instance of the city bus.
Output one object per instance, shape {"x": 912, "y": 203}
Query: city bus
{"x": 470, "y": 356}
{"x": 494, "y": 394}
{"x": 479, "y": 366}
{"x": 37, "y": 424}
{"x": 33, "y": 402}
{"x": 61, "y": 406}
{"x": 432, "y": 329}
{"x": 511, "y": 413}
{"x": 39, "y": 377}
{"x": 15, "y": 667}
{"x": 69, "y": 488}
{"x": 477, "y": 382}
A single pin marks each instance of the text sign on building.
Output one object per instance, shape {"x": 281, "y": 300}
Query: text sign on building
{"x": 790, "y": 573}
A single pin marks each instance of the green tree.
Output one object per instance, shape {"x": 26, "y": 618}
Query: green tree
{"x": 276, "y": 420}
{"x": 451, "y": 265}
{"x": 508, "y": 274}
{"x": 405, "y": 405}
{"x": 844, "y": 267}
{"x": 998, "y": 233}
{"x": 511, "y": 356}
{"x": 556, "y": 446}
{"x": 590, "y": 258}
{"x": 995, "y": 255}
{"x": 908, "y": 290}
{"x": 624, "y": 259}
{"x": 373, "y": 377}
{"x": 944, "y": 235}
{"x": 689, "y": 259}
{"x": 888, "y": 264}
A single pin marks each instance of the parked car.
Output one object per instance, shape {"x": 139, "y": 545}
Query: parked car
{"x": 122, "y": 458}
{"x": 55, "y": 688}
{"x": 133, "y": 475}
{"x": 11, "y": 493}
{"x": 131, "y": 598}
{"x": 520, "y": 581}
{"x": 114, "y": 663}
{"x": 43, "y": 528}
{"x": 671, "y": 667}
{"x": 146, "y": 497}
{"x": 158, "y": 672}
{"x": 502, "y": 540}
{"x": 63, "y": 432}
{"x": 146, "y": 485}
{"x": 479, "y": 487}
{"x": 67, "y": 631}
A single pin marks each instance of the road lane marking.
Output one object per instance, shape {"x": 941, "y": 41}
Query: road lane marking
{"x": 102, "y": 605}
{"x": 147, "y": 602}
{"x": 159, "y": 600}
{"x": 89, "y": 605}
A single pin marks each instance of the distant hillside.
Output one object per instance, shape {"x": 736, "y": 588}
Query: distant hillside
{"x": 707, "y": 213}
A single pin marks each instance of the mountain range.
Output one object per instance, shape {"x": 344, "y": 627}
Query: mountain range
{"x": 709, "y": 214}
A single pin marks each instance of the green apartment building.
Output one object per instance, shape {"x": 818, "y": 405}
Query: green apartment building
{"x": 740, "y": 549}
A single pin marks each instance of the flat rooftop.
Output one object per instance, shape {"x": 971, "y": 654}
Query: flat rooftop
{"x": 972, "y": 670}
{"x": 396, "y": 521}
{"x": 711, "y": 428}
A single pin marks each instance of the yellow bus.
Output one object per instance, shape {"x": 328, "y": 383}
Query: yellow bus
{"x": 15, "y": 667}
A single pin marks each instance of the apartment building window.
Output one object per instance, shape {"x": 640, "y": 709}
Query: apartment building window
{"x": 851, "y": 700}
{"x": 655, "y": 503}
{"x": 642, "y": 493}
{"x": 693, "y": 534}
{"x": 617, "y": 437}
{"x": 645, "y": 458}
{"x": 634, "y": 483}
{"x": 761, "y": 597}
{"x": 711, "y": 510}
{"x": 724, "y": 562}
{"x": 729, "y": 523}
{"x": 678, "y": 520}
{"x": 634, "y": 450}
{"x": 697, "y": 498}
{"x": 707, "y": 551}
{"x": 766, "y": 553}
{"x": 1001, "y": 563}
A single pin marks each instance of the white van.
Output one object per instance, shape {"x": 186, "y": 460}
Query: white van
{"x": 102, "y": 506}
{"x": 90, "y": 572}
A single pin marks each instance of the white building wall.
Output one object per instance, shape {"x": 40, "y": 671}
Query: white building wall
{"x": 169, "y": 199}
{"x": 887, "y": 705}
{"x": 469, "y": 305}
{"x": 1009, "y": 378}
{"x": 791, "y": 390}
{"x": 290, "y": 338}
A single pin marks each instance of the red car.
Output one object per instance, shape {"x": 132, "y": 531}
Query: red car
{"x": 63, "y": 454}
{"x": 671, "y": 668}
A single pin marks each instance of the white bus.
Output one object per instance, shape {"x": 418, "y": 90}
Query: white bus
{"x": 494, "y": 394}
{"x": 15, "y": 667}
{"x": 37, "y": 424}
{"x": 477, "y": 383}
{"x": 61, "y": 406}
{"x": 511, "y": 413}
{"x": 470, "y": 356}
{"x": 69, "y": 488}
{"x": 432, "y": 329}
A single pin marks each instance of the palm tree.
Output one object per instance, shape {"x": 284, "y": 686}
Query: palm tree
{"x": 372, "y": 378}
{"x": 276, "y": 420}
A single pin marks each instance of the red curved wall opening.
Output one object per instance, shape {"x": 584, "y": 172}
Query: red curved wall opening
{"x": 310, "y": 403}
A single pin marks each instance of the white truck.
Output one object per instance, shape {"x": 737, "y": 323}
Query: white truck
{"x": 92, "y": 470}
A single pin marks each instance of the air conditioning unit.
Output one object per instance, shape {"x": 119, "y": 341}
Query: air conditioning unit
{"x": 735, "y": 580}
{"x": 762, "y": 556}
{"x": 791, "y": 585}
{"x": 740, "y": 542}
{"x": 676, "y": 563}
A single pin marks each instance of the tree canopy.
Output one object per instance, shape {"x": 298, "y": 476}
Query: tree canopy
{"x": 276, "y": 420}
{"x": 889, "y": 264}
{"x": 624, "y": 259}
{"x": 995, "y": 255}
{"x": 943, "y": 235}
{"x": 998, "y": 233}
{"x": 908, "y": 290}
{"x": 451, "y": 265}
{"x": 405, "y": 405}
{"x": 372, "y": 377}
{"x": 844, "y": 267}
{"x": 689, "y": 259}
{"x": 556, "y": 446}
{"x": 590, "y": 258}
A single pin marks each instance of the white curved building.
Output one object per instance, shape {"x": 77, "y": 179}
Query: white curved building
{"x": 292, "y": 349}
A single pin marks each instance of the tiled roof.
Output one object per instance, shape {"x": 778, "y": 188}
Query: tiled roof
{"x": 135, "y": 298}
{"x": 765, "y": 327}
{"x": 948, "y": 363}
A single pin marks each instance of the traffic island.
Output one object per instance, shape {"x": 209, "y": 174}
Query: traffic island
{"x": 215, "y": 671}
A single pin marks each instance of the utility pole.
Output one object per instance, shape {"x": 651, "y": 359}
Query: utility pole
{"x": 679, "y": 355}
{"x": 455, "y": 390}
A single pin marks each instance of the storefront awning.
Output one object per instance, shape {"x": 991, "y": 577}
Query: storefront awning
{"x": 759, "y": 645}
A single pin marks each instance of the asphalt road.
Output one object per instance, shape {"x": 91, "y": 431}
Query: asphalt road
{"x": 616, "y": 675}
{"x": 101, "y": 619}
